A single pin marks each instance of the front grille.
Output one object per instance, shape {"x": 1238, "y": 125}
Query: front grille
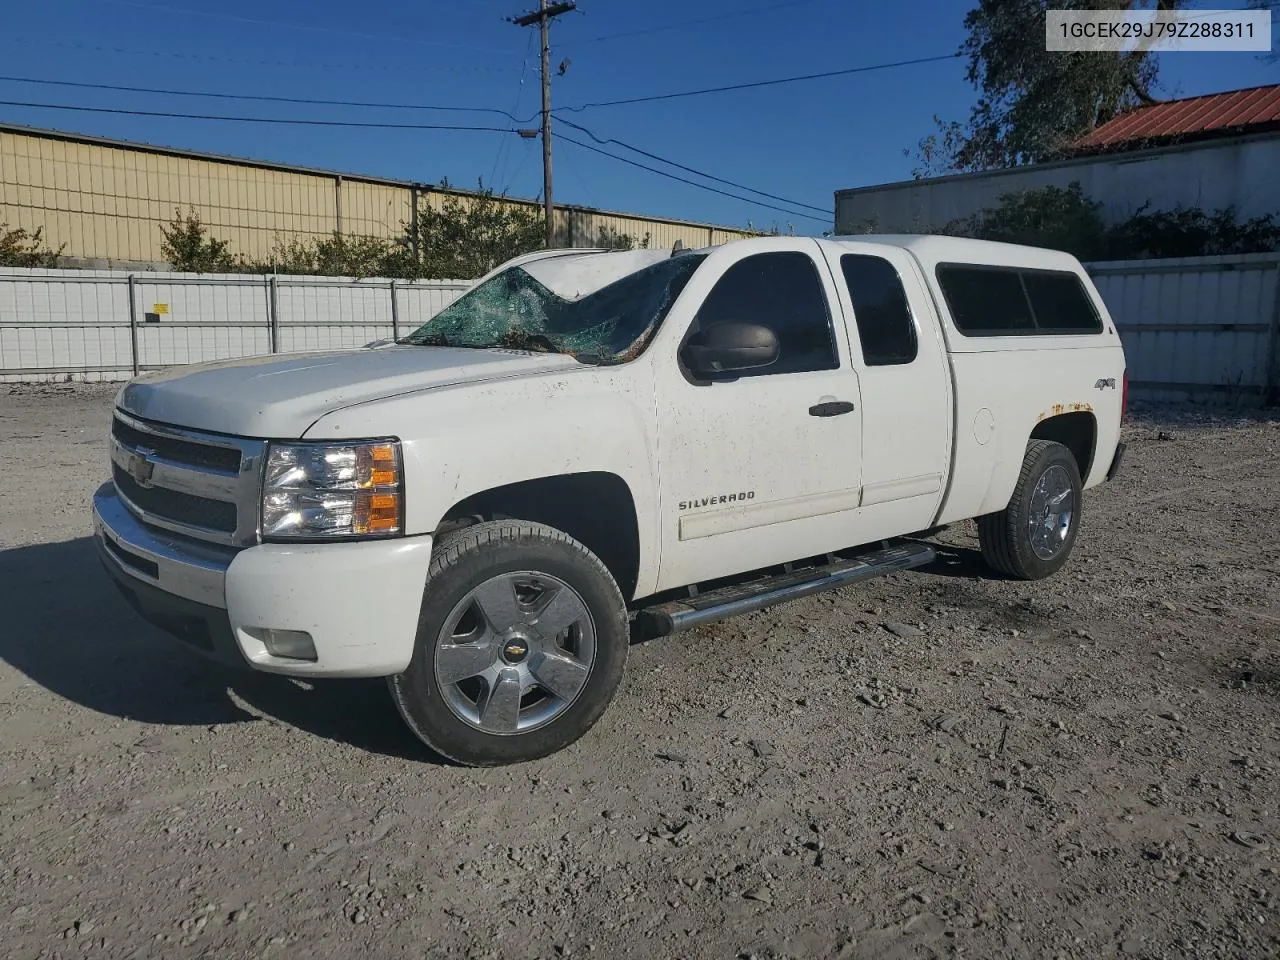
{"x": 178, "y": 507}
{"x": 200, "y": 485}
{"x": 199, "y": 455}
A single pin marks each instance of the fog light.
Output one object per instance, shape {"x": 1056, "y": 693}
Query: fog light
{"x": 286, "y": 644}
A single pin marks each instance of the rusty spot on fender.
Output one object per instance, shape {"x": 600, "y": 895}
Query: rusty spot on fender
{"x": 1058, "y": 409}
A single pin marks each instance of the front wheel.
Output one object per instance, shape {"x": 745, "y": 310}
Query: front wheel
{"x": 521, "y": 644}
{"x": 1033, "y": 536}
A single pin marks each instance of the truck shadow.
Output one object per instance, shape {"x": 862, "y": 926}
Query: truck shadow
{"x": 962, "y": 562}
{"x": 66, "y": 628}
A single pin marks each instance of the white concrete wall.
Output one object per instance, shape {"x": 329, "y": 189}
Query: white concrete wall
{"x": 59, "y": 323}
{"x": 1219, "y": 173}
{"x": 1200, "y": 328}
{"x": 1197, "y": 328}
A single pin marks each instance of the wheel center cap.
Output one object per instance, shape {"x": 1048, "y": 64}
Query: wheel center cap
{"x": 515, "y": 649}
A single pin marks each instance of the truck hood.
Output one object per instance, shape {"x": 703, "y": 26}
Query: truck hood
{"x": 281, "y": 396}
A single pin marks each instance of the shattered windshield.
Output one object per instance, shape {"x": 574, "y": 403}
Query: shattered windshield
{"x": 592, "y": 320}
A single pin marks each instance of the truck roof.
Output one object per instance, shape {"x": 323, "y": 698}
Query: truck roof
{"x": 929, "y": 249}
{"x": 932, "y": 249}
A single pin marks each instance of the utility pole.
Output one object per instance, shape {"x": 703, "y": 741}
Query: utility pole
{"x": 543, "y": 16}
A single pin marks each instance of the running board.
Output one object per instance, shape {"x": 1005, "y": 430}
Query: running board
{"x": 719, "y": 604}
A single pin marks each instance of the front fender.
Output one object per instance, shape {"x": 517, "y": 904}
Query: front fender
{"x": 462, "y": 440}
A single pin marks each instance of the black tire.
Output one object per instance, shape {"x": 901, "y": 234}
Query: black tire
{"x": 1006, "y": 536}
{"x": 465, "y": 560}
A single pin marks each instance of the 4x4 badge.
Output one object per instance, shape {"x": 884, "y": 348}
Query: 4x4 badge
{"x": 1105, "y": 384}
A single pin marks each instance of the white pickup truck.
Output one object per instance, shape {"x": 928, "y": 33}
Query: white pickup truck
{"x": 478, "y": 511}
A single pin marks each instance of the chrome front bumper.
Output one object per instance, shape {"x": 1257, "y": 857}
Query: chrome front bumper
{"x": 177, "y": 566}
{"x": 358, "y": 602}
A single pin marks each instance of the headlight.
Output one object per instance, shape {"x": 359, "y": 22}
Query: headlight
{"x": 315, "y": 491}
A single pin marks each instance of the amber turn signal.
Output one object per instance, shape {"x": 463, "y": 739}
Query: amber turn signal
{"x": 377, "y": 465}
{"x": 376, "y": 513}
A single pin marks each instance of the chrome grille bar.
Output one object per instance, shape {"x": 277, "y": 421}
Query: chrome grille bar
{"x": 201, "y": 485}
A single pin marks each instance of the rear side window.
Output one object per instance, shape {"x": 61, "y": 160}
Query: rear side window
{"x": 1060, "y": 303}
{"x": 880, "y": 310}
{"x": 781, "y": 291}
{"x": 1001, "y": 301}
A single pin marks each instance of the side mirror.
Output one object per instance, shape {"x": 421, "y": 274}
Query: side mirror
{"x": 726, "y": 347}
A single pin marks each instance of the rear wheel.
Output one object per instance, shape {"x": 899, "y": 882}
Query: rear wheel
{"x": 521, "y": 645}
{"x": 1033, "y": 536}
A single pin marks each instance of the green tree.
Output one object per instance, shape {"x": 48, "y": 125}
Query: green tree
{"x": 1191, "y": 232}
{"x": 20, "y": 248}
{"x": 1065, "y": 218}
{"x": 466, "y": 237}
{"x": 612, "y": 239}
{"x": 1061, "y": 218}
{"x": 337, "y": 255}
{"x": 187, "y": 246}
{"x": 1032, "y": 103}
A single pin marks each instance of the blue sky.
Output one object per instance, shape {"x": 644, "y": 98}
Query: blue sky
{"x": 800, "y": 141}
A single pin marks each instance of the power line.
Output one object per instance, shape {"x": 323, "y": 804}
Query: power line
{"x": 515, "y": 174}
{"x": 342, "y": 32}
{"x": 367, "y": 125}
{"x": 542, "y": 18}
{"x": 681, "y": 166}
{"x": 737, "y": 14}
{"x": 519, "y": 120}
{"x": 766, "y": 83}
{"x": 283, "y": 120}
{"x": 502, "y": 144}
{"x": 401, "y": 126}
{"x": 692, "y": 183}
{"x": 261, "y": 98}
{"x": 390, "y": 67}
{"x": 582, "y": 182}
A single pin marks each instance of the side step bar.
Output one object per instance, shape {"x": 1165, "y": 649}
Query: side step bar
{"x": 676, "y": 615}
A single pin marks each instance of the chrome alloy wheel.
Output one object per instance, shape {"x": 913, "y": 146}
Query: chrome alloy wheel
{"x": 1053, "y": 505}
{"x": 515, "y": 652}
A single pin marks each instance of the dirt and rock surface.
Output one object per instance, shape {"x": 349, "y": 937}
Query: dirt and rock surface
{"x": 935, "y": 764}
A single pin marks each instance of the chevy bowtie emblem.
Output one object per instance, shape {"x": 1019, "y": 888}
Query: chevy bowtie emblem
{"x": 140, "y": 468}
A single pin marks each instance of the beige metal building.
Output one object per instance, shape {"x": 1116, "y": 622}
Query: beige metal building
{"x": 105, "y": 200}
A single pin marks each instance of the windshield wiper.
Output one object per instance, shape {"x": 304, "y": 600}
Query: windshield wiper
{"x": 430, "y": 340}
{"x": 533, "y": 342}
{"x": 512, "y": 340}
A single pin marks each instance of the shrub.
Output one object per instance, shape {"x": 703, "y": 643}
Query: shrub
{"x": 188, "y": 247}
{"x": 466, "y": 237}
{"x": 334, "y": 256}
{"x": 1064, "y": 218}
{"x": 1191, "y": 232}
{"x": 612, "y": 239}
{"x": 19, "y": 248}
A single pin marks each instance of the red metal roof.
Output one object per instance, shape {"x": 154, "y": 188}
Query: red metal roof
{"x": 1217, "y": 114}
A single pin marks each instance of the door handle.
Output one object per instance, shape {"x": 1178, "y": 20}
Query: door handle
{"x": 831, "y": 408}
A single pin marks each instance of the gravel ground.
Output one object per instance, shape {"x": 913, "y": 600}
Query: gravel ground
{"x": 934, "y": 764}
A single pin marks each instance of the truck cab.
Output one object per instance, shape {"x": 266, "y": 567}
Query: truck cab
{"x": 478, "y": 511}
